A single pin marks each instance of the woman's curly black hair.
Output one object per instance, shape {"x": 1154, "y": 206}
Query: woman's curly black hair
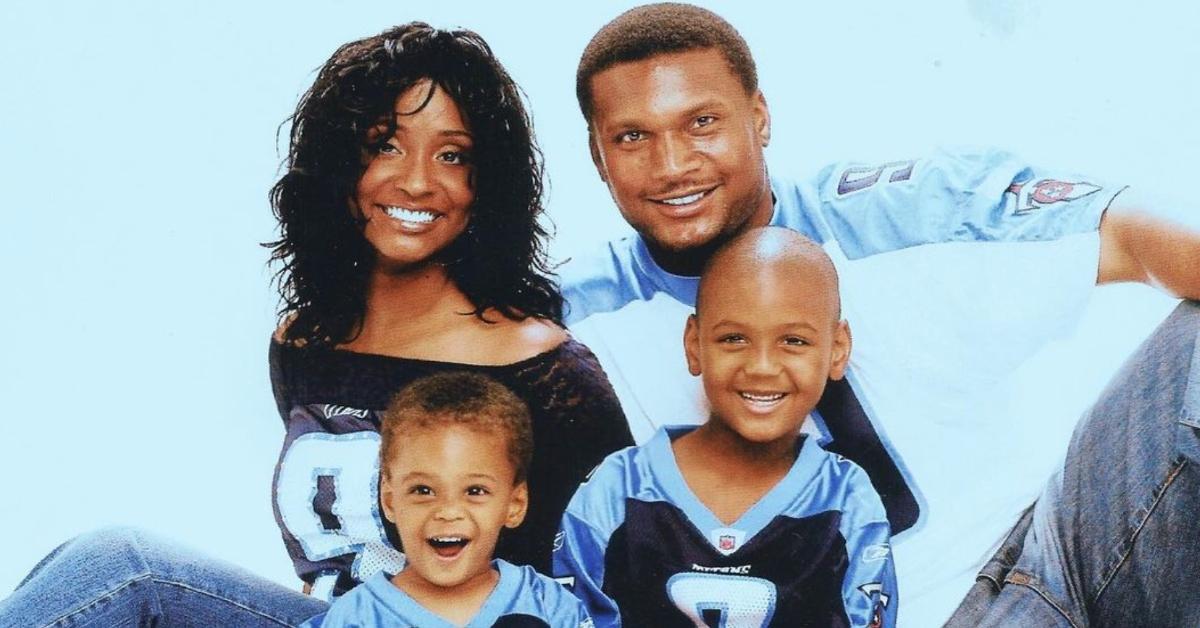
{"x": 499, "y": 262}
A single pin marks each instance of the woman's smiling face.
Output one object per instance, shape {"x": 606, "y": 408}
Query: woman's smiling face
{"x": 416, "y": 191}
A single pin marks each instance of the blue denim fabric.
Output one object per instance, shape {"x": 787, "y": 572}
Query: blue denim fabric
{"x": 1114, "y": 539}
{"x": 125, "y": 577}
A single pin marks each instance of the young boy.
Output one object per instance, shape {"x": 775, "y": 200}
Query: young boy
{"x": 742, "y": 521}
{"x": 455, "y": 448}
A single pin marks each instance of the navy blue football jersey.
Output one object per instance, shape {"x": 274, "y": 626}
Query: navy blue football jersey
{"x": 522, "y": 598}
{"x": 640, "y": 549}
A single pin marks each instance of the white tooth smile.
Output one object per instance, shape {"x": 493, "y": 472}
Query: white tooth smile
{"x": 448, "y": 539}
{"x": 684, "y": 200}
{"x": 761, "y": 398}
{"x": 410, "y": 215}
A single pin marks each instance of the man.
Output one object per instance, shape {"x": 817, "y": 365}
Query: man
{"x": 955, "y": 269}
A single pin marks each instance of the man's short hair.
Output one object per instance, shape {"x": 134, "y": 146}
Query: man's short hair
{"x": 471, "y": 400}
{"x": 654, "y": 29}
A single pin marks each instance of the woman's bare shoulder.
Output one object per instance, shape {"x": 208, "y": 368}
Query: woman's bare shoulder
{"x": 540, "y": 335}
{"x": 506, "y": 341}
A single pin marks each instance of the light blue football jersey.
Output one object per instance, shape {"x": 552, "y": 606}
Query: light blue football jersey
{"x": 955, "y": 269}
{"x": 522, "y": 598}
{"x": 642, "y": 550}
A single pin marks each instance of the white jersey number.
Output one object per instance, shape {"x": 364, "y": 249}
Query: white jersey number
{"x": 733, "y": 601}
{"x": 351, "y": 463}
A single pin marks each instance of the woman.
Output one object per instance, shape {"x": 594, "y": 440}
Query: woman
{"x": 409, "y": 245}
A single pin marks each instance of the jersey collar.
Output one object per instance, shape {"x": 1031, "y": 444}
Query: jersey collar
{"x": 406, "y": 607}
{"x": 795, "y": 485}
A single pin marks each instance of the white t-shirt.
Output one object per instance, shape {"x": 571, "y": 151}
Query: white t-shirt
{"x": 954, "y": 270}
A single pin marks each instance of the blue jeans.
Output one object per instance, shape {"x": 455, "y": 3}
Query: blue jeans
{"x": 1114, "y": 539}
{"x": 124, "y": 577}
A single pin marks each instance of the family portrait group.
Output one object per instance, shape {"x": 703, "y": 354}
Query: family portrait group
{"x": 705, "y": 315}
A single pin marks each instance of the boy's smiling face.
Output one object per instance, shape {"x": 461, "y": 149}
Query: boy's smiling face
{"x": 766, "y": 337}
{"x": 450, "y": 489}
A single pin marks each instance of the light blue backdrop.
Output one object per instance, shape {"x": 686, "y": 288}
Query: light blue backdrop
{"x": 138, "y": 140}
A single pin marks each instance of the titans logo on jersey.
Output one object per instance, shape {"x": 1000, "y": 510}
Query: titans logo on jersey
{"x": 641, "y": 550}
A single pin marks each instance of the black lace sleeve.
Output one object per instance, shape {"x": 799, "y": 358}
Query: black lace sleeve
{"x": 577, "y": 421}
{"x": 279, "y": 379}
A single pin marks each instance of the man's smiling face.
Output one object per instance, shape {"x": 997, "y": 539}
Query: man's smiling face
{"x": 679, "y": 142}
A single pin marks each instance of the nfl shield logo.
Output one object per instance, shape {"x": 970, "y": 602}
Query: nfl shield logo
{"x": 727, "y": 540}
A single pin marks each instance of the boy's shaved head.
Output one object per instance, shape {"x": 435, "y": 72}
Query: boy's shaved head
{"x": 772, "y": 249}
{"x": 767, "y": 335}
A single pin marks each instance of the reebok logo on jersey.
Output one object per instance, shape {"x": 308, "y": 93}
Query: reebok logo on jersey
{"x": 332, "y": 411}
{"x": 738, "y": 570}
{"x": 559, "y": 539}
{"x": 872, "y": 553}
{"x": 1030, "y": 196}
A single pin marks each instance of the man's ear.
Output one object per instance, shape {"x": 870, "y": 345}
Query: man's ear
{"x": 597, "y": 158}
{"x": 762, "y": 118}
{"x": 518, "y": 503}
{"x": 691, "y": 344}
{"x": 842, "y": 342}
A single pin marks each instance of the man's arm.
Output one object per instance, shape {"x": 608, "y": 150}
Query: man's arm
{"x": 1136, "y": 245}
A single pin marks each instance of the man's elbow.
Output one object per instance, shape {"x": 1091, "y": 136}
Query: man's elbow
{"x": 1136, "y": 245}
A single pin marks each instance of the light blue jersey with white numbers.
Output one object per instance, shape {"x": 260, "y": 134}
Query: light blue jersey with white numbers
{"x": 955, "y": 269}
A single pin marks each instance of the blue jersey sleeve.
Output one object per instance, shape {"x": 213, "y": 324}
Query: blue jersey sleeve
{"x": 541, "y": 596}
{"x": 564, "y": 609}
{"x": 964, "y": 196}
{"x": 578, "y": 563}
{"x": 869, "y": 589}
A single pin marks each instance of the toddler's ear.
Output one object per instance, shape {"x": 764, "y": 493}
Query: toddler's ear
{"x": 518, "y": 503}
{"x": 385, "y": 498}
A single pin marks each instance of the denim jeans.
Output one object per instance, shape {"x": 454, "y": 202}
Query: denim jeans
{"x": 125, "y": 577}
{"x": 1114, "y": 538}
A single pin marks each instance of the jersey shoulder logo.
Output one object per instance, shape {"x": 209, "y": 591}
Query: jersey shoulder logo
{"x": 331, "y": 411}
{"x": 874, "y": 590}
{"x": 1033, "y": 195}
